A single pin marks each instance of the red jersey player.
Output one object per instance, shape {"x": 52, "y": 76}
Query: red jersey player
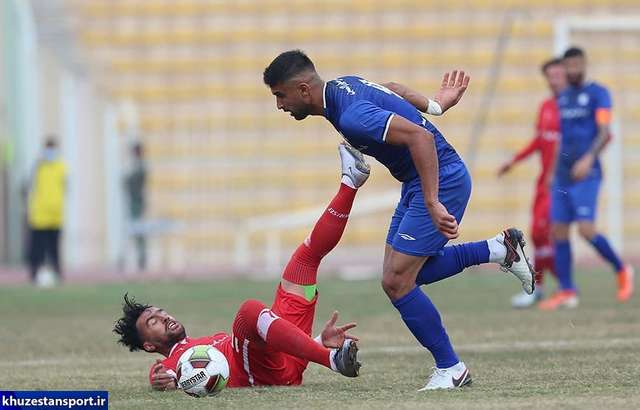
{"x": 545, "y": 142}
{"x": 267, "y": 346}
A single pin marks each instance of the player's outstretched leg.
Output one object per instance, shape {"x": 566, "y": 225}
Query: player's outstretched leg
{"x": 505, "y": 249}
{"x": 303, "y": 266}
{"x": 257, "y": 323}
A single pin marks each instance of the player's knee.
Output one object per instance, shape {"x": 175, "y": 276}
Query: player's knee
{"x": 587, "y": 231}
{"x": 250, "y": 310}
{"x": 245, "y": 324}
{"x": 396, "y": 283}
{"x": 561, "y": 232}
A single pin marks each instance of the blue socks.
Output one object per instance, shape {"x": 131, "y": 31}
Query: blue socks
{"x": 423, "y": 320}
{"x": 452, "y": 260}
{"x": 604, "y": 249}
{"x": 563, "y": 265}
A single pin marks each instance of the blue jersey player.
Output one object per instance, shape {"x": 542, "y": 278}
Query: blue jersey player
{"x": 585, "y": 114}
{"x": 385, "y": 122}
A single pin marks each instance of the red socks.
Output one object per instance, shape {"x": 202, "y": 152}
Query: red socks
{"x": 284, "y": 336}
{"x": 302, "y": 268}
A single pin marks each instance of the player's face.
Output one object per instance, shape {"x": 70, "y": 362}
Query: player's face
{"x": 556, "y": 76}
{"x": 293, "y": 97}
{"x": 159, "y": 329}
{"x": 576, "y": 67}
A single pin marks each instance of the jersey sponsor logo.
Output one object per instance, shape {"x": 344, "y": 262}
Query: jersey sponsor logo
{"x": 583, "y": 99}
{"x": 573, "y": 113}
{"x": 343, "y": 85}
{"x": 406, "y": 237}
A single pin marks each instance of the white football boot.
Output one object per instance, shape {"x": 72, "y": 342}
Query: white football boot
{"x": 354, "y": 167}
{"x": 523, "y": 300}
{"x": 449, "y": 378}
{"x": 516, "y": 261}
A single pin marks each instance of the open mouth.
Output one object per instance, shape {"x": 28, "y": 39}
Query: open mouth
{"x": 172, "y": 325}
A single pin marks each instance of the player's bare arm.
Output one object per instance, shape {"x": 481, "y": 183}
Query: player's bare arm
{"x": 583, "y": 166}
{"x": 422, "y": 147}
{"x": 452, "y": 89}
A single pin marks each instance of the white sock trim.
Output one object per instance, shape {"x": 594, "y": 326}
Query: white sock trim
{"x": 332, "y": 355}
{"x": 265, "y": 319}
{"x": 497, "y": 250}
{"x": 347, "y": 181}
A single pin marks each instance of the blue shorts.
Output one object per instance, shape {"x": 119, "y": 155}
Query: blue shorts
{"x": 575, "y": 202}
{"x": 411, "y": 230}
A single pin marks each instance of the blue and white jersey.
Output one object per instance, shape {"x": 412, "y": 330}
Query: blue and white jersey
{"x": 361, "y": 111}
{"x": 578, "y": 126}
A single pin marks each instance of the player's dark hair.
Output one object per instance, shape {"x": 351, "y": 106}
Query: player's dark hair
{"x": 286, "y": 66}
{"x": 550, "y": 63}
{"x": 574, "y": 52}
{"x": 126, "y": 328}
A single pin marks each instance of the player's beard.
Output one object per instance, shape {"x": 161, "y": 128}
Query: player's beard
{"x": 177, "y": 334}
{"x": 300, "y": 113}
{"x": 575, "y": 79}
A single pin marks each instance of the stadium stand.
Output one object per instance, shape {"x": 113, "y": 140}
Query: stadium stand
{"x": 219, "y": 151}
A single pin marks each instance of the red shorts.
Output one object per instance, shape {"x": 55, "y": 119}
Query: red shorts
{"x": 263, "y": 366}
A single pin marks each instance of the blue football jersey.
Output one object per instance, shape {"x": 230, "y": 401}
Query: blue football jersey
{"x": 578, "y": 127}
{"x": 361, "y": 111}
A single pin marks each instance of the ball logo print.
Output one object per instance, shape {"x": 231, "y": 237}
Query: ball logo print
{"x": 202, "y": 371}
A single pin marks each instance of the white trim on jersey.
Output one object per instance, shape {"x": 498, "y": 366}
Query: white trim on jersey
{"x": 265, "y": 319}
{"x": 324, "y": 96}
{"x": 386, "y": 127}
{"x": 245, "y": 360}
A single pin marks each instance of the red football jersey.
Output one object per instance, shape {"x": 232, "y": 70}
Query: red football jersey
{"x": 546, "y": 139}
{"x": 220, "y": 341}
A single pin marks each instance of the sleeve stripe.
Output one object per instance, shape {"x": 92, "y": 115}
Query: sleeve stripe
{"x": 324, "y": 96}
{"x": 603, "y": 116}
{"x": 386, "y": 127}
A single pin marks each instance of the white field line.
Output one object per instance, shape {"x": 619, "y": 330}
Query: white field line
{"x": 516, "y": 346}
{"x": 469, "y": 348}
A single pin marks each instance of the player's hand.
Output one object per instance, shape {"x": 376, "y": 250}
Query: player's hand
{"x": 160, "y": 378}
{"x": 333, "y": 336}
{"x": 582, "y": 167}
{"x": 452, "y": 89}
{"x": 443, "y": 220}
{"x": 504, "y": 168}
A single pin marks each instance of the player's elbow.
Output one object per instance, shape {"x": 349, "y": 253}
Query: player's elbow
{"x": 419, "y": 138}
{"x": 395, "y": 87}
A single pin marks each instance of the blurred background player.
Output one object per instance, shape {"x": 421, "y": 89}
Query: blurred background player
{"x": 585, "y": 115}
{"x": 46, "y": 210}
{"x": 436, "y": 186}
{"x": 267, "y": 346}
{"x": 544, "y": 142}
{"x": 135, "y": 188}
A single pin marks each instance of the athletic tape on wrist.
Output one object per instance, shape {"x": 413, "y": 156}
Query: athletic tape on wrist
{"x": 434, "y": 108}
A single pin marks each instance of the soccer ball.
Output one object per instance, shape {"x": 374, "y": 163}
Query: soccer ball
{"x": 202, "y": 371}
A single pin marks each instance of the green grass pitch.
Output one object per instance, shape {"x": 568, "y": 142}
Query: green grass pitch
{"x": 587, "y": 358}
